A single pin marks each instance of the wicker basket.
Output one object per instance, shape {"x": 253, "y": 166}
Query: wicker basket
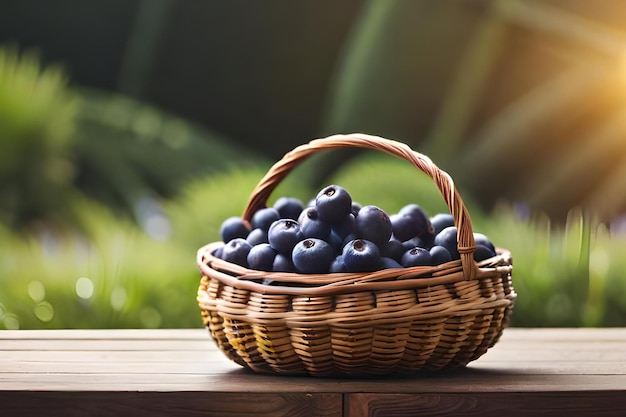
{"x": 394, "y": 320}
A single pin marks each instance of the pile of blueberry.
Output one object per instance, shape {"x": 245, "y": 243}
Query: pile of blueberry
{"x": 335, "y": 234}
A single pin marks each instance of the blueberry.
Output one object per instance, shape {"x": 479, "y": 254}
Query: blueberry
{"x": 373, "y": 224}
{"x": 404, "y": 227}
{"x": 283, "y": 263}
{"x": 311, "y": 225}
{"x": 448, "y": 239}
{"x": 355, "y": 208}
{"x": 388, "y": 263}
{"x": 410, "y": 244}
{"x": 348, "y": 239}
{"x": 337, "y": 265}
{"x": 232, "y": 228}
{"x": 283, "y": 235}
{"x": 218, "y": 252}
{"x": 263, "y": 218}
{"x": 345, "y": 226}
{"x": 288, "y": 207}
{"x": 441, "y": 220}
{"x": 361, "y": 255}
{"x": 424, "y": 227}
{"x": 333, "y": 203}
{"x": 427, "y": 237}
{"x": 425, "y": 242}
{"x": 419, "y": 242}
{"x": 440, "y": 255}
{"x": 312, "y": 256}
{"x": 411, "y": 210}
{"x": 393, "y": 249}
{"x": 483, "y": 252}
{"x": 257, "y": 236}
{"x": 481, "y": 239}
{"x": 417, "y": 257}
{"x": 261, "y": 257}
{"x": 236, "y": 251}
{"x": 335, "y": 241}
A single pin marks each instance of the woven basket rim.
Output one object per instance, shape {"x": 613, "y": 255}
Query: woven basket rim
{"x": 240, "y": 277}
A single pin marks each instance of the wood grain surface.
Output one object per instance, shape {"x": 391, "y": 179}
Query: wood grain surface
{"x": 542, "y": 372}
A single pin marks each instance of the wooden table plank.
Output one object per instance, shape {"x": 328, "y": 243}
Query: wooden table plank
{"x": 191, "y": 352}
{"x": 548, "y": 404}
{"x": 181, "y": 372}
{"x": 168, "y": 366}
{"x": 105, "y": 334}
{"x": 166, "y": 404}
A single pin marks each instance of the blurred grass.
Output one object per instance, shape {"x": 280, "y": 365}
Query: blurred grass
{"x": 120, "y": 277}
{"x": 114, "y": 274}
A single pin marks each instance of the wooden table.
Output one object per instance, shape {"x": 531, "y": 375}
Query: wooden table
{"x": 536, "y": 372}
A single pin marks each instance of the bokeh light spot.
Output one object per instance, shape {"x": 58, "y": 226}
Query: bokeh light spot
{"x": 36, "y": 291}
{"x": 84, "y": 287}
{"x": 44, "y": 311}
{"x": 11, "y": 322}
{"x": 118, "y": 298}
{"x": 150, "y": 215}
{"x": 158, "y": 227}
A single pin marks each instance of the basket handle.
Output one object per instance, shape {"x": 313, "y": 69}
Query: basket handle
{"x": 465, "y": 237}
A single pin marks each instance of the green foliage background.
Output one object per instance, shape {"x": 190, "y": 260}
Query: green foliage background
{"x": 142, "y": 282}
{"x": 107, "y": 191}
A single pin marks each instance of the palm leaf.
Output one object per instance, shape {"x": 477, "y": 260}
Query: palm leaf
{"x": 466, "y": 89}
{"x": 126, "y": 149}
{"x": 514, "y": 139}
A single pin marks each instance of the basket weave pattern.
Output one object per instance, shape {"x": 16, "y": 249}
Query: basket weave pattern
{"x": 394, "y": 320}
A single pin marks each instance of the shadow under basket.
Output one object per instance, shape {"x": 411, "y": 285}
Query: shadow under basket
{"x": 401, "y": 320}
